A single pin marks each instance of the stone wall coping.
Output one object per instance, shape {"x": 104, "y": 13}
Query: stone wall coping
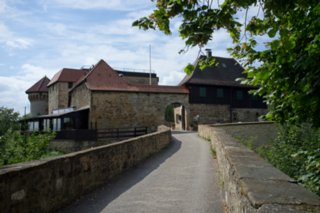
{"x": 240, "y": 124}
{"x": 253, "y": 184}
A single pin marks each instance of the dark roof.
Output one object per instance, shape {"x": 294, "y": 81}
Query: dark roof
{"x": 136, "y": 74}
{"x": 224, "y": 73}
{"x": 40, "y": 86}
{"x": 68, "y": 75}
{"x": 103, "y": 78}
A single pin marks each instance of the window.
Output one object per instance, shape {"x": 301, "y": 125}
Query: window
{"x": 220, "y": 93}
{"x": 203, "y": 92}
{"x": 70, "y": 84}
{"x": 254, "y": 97}
{"x": 239, "y": 95}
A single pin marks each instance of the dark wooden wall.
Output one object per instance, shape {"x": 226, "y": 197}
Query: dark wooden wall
{"x": 231, "y": 96}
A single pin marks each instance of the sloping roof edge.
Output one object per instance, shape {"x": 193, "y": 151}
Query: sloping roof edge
{"x": 39, "y": 86}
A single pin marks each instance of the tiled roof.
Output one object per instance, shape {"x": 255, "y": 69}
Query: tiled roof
{"x": 40, "y": 86}
{"x": 68, "y": 75}
{"x": 103, "y": 78}
{"x": 224, "y": 73}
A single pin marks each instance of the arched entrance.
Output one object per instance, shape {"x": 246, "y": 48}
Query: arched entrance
{"x": 176, "y": 116}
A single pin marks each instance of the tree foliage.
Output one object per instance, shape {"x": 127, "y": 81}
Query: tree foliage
{"x": 15, "y": 147}
{"x": 169, "y": 113}
{"x": 286, "y": 69}
{"x": 8, "y": 120}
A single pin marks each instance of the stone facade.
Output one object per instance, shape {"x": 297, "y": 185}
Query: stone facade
{"x": 210, "y": 113}
{"x": 214, "y": 113}
{"x": 131, "y": 109}
{"x": 81, "y": 97}
{"x": 58, "y": 96}
{"x": 254, "y": 133}
{"x": 251, "y": 184}
{"x": 247, "y": 114}
{"x": 49, "y": 184}
{"x": 38, "y": 103}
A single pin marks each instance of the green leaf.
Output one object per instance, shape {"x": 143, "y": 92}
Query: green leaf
{"x": 189, "y": 69}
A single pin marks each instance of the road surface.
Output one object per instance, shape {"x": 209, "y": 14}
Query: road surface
{"x": 181, "y": 178}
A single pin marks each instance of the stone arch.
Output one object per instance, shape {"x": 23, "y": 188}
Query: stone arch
{"x": 180, "y": 115}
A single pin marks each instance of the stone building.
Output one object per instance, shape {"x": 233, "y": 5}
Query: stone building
{"x": 38, "y": 97}
{"x": 215, "y": 96}
{"x": 60, "y": 85}
{"x": 116, "y": 103}
{"x": 104, "y": 98}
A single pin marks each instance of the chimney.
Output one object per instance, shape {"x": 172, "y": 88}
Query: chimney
{"x": 209, "y": 53}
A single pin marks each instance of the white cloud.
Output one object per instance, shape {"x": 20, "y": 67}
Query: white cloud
{"x": 56, "y": 43}
{"x": 21, "y": 43}
{"x": 2, "y": 7}
{"x": 8, "y": 38}
{"x": 12, "y": 88}
{"x": 119, "y": 5}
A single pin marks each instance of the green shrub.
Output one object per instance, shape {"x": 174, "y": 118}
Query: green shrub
{"x": 296, "y": 151}
{"x": 15, "y": 148}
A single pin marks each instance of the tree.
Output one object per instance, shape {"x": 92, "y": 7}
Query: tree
{"x": 286, "y": 70}
{"x": 8, "y": 120}
{"x": 169, "y": 113}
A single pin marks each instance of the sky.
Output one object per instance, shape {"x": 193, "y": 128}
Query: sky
{"x": 40, "y": 37}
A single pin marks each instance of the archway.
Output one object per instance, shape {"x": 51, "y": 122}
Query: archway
{"x": 176, "y": 116}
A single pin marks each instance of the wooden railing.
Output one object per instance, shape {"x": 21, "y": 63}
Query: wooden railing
{"x": 94, "y": 135}
{"x": 77, "y": 134}
{"x": 121, "y": 132}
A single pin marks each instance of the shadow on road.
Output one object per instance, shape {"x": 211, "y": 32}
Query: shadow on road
{"x": 97, "y": 200}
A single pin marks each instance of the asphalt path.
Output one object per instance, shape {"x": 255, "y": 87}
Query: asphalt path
{"x": 181, "y": 178}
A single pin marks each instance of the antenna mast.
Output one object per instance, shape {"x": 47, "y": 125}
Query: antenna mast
{"x": 150, "y": 82}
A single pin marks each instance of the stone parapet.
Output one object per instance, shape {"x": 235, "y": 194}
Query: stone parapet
{"x": 251, "y": 184}
{"x": 47, "y": 185}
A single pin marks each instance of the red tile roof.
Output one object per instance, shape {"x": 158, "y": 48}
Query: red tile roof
{"x": 68, "y": 75}
{"x": 103, "y": 78}
{"x": 40, "y": 86}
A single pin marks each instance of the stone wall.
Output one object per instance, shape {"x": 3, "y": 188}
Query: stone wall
{"x": 130, "y": 109}
{"x": 68, "y": 146}
{"x": 47, "y": 185}
{"x": 247, "y": 114}
{"x": 58, "y": 96}
{"x": 251, "y": 184}
{"x": 141, "y": 80}
{"x": 80, "y": 97}
{"x": 210, "y": 113}
{"x": 38, "y": 103}
{"x": 252, "y": 133}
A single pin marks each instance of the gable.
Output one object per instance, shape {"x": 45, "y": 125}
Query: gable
{"x": 224, "y": 73}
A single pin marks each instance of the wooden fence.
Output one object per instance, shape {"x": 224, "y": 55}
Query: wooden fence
{"x": 94, "y": 135}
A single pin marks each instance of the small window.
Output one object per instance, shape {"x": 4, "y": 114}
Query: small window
{"x": 70, "y": 84}
{"x": 203, "y": 92}
{"x": 254, "y": 97}
{"x": 220, "y": 93}
{"x": 239, "y": 95}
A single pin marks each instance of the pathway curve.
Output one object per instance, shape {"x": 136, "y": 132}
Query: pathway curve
{"x": 181, "y": 178}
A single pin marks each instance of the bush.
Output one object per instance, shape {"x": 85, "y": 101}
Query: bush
{"x": 296, "y": 151}
{"x": 15, "y": 148}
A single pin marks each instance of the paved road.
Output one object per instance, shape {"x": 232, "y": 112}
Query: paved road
{"x": 181, "y": 178}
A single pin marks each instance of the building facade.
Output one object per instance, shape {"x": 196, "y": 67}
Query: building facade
{"x": 104, "y": 98}
{"x": 215, "y": 95}
{"x": 38, "y": 97}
